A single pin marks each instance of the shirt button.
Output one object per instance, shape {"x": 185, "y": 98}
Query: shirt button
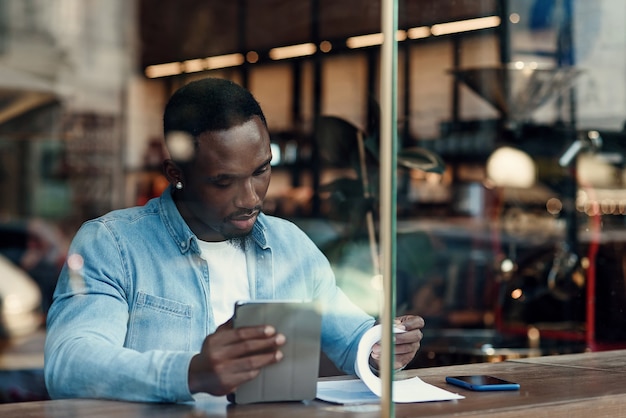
{"x": 183, "y": 244}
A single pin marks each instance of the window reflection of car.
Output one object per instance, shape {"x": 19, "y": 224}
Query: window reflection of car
{"x": 32, "y": 253}
{"x": 20, "y": 301}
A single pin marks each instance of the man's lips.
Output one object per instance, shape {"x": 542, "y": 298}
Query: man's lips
{"x": 244, "y": 222}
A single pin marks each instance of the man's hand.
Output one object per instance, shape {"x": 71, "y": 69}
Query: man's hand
{"x": 406, "y": 343}
{"x": 230, "y": 357}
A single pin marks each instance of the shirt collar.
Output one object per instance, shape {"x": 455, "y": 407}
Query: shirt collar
{"x": 175, "y": 224}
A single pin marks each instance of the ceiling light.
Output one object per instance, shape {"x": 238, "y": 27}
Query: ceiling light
{"x": 465, "y": 25}
{"x": 193, "y": 66}
{"x": 163, "y": 70}
{"x": 372, "y": 39}
{"x": 223, "y": 61}
{"x": 292, "y": 51}
{"x": 419, "y": 32}
{"x": 363, "y": 41}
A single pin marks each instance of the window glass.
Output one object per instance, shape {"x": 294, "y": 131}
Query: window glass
{"x": 510, "y": 120}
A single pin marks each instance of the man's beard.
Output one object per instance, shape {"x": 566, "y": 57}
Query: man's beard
{"x": 238, "y": 242}
{"x": 235, "y": 236}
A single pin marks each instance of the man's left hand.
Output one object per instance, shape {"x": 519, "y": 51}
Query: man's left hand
{"x": 406, "y": 343}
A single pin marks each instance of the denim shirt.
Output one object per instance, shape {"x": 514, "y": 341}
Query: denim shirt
{"x": 132, "y": 304}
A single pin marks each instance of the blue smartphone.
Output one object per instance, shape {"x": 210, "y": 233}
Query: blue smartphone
{"x": 482, "y": 383}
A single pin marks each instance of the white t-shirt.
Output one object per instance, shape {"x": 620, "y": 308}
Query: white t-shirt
{"x": 228, "y": 276}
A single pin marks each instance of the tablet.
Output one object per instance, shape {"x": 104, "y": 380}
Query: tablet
{"x": 294, "y": 378}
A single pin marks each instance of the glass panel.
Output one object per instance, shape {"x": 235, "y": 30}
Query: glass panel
{"x": 509, "y": 201}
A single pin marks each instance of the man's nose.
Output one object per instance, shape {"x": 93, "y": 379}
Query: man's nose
{"x": 247, "y": 196}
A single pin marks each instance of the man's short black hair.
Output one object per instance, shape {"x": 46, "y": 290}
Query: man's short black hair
{"x": 210, "y": 104}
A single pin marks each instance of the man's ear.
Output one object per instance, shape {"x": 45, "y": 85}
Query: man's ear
{"x": 173, "y": 172}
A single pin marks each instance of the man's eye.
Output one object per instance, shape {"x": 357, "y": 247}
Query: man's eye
{"x": 222, "y": 185}
{"x": 262, "y": 170}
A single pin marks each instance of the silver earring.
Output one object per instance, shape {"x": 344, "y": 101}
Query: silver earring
{"x": 179, "y": 185}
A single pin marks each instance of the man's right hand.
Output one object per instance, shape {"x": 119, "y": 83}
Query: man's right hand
{"x": 230, "y": 357}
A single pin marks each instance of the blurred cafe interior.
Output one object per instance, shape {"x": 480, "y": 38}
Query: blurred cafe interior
{"x": 511, "y": 206}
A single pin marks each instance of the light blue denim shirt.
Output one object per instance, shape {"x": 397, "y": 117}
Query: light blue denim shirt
{"x": 132, "y": 305}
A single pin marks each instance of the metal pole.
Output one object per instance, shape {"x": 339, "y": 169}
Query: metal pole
{"x": 317, "y": 108}
{"x": 388, "y": 152}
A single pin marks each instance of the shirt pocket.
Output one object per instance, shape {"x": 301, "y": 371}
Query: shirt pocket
{"x": 157, "y": 323}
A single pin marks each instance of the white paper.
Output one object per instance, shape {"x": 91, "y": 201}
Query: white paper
{"x": 369, "y": 387}
{"x": 351, "y": 391}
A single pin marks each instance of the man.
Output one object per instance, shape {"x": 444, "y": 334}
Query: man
{"x": 142, "y": 308}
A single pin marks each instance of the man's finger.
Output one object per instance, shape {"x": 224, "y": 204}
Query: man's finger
{"x": 244, "y": 347}
{"x": 231, "y": 374}
{"x": 411, "y": 322}
{"x": 227, "y": 336}
{"x": 408, "y": 337}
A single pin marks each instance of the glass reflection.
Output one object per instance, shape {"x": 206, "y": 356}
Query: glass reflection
{"x": 481, "y": 256}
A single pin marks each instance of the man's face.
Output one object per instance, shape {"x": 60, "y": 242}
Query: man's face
{"x": 227, "y": 182}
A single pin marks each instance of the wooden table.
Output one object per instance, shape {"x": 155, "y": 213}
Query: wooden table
{"x": 614, "y": 361}
{"x": 576, "y": 385}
